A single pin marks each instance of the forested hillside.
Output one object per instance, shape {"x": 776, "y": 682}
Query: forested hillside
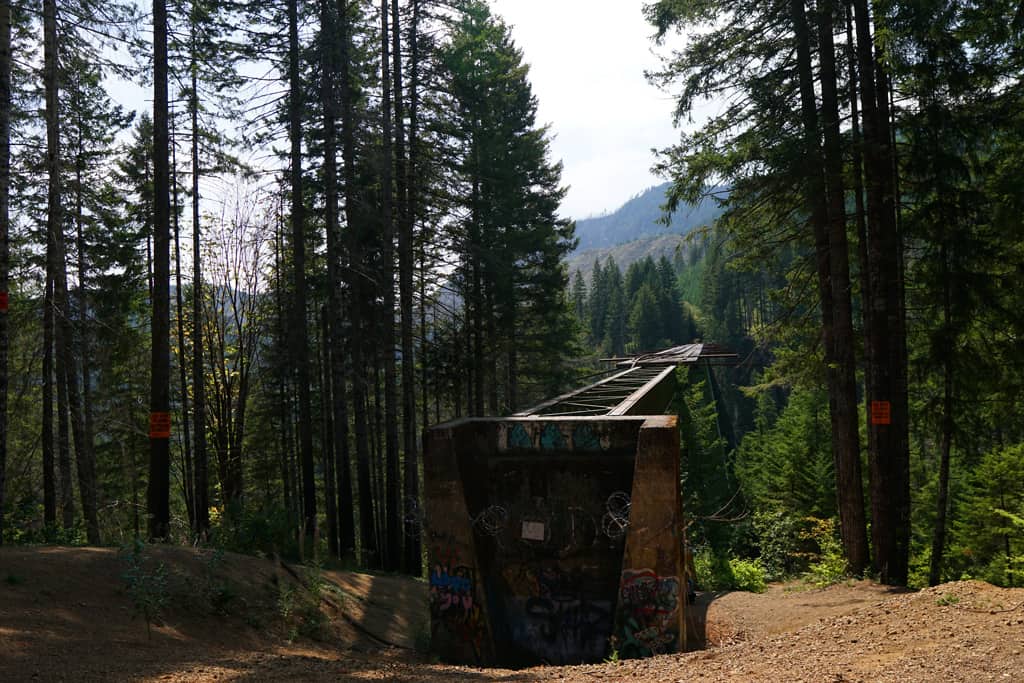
{"x": 641, "y": 217}
{"x": 227, "y": 319}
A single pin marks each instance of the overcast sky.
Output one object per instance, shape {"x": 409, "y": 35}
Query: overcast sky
{"x": 587, "y": 61}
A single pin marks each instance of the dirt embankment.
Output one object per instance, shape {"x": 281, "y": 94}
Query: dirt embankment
{"x": 67, "y": 614}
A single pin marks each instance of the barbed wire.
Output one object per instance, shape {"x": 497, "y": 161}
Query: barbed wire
{"x": 615, "y": 521}
{"x": 567, "y": 529}
{"x": 491, "y": 521}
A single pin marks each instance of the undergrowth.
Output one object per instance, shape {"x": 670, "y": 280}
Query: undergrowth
{"x": 146, "y": 584}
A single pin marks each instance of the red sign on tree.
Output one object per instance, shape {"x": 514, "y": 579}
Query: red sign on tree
{"x": 159, "y": 425}
{"x": 881, "y": 413}
{"x": 3, "y": 302}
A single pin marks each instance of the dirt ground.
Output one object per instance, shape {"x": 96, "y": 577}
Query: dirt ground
{"x": 67, "y": 615}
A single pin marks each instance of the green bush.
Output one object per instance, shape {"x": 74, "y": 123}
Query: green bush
{"x": 718, "y": 572}
{"x": 830, "y": 566}
{"x": 713, "y": 572}
{"x": 783, "y": 552}
{"x": 748, "y": 575}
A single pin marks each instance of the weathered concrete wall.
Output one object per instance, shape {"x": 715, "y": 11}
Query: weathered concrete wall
{"x": 532, "y": 543}
{"x": 650, "y": 617}
{"x": 460, "y": 629}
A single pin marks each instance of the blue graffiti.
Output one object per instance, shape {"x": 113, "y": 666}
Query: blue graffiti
{"x": 518, "y": 437}
{"x": 439, "y": 578}
{"x": 551, "y": 438}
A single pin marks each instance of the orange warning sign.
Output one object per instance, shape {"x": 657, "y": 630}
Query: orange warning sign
{"x": 3, "y": 302}
{"x": 881, "y": 413}
{"x": 159, "y": 425}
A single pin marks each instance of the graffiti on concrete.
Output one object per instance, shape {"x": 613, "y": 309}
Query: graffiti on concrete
{"x": 557, "y": 615}
{"x": 552, "y": 436}
{"x": 451, "y": 588}
{"x": 648, "y": 613}
{"x": 455, "y": 613}
{"x": 552, "y": 439}
{"x": 518, "y": 437}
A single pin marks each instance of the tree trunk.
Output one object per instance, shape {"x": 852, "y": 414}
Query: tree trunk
{"x": 367, "y": 536}
{"x": 377, "y": 462}
{"x": 329, "y": 461}
{"x": 334, "y": 353}
{"x": 202, "y": 476}
{"x": 85, "y": 352}
{"x": 186, "y": 438}
{"x": 49, "y": 483}
{"x": 284, "y": 413}
{"x": 158, "y": 492}
{"x": 475, "y": 400}
{"x": 412, "y": 557}
{"x": 888, "y": 445}
{"x": 393, "y": 482}
{"x": 62, "y": 312}
{"x": 814, "y": 194}
{"x": 424, "y": 349}
{"x": 67, "y": 484}
{"x": 948, "y": 425}
{"x": 346, "y": 503}
{"x": 5, "y": 219}
{"x": 299, "y": 347}
{"x": 857, "y": 172}
{"x": 846, "y": 431}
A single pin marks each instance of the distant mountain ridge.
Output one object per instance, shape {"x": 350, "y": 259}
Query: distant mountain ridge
{"x": 640, "y": 217}
{"x": 634, "y": 231}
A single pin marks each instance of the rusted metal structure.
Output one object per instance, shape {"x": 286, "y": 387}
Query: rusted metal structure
{"x": 555, "y": 535}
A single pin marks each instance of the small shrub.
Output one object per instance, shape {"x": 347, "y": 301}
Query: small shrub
{"x": 146, "y": 585}
{"x": 713, "y": 571}
{"x": 285, "y": 601}
{"x": 717, "y": 572}
{"x": 300, "y": 609}
{"x": 312, "y": 621}
{"x": 830, "y": 567}
{"x": 748, "y": 575}
{"x": 947, "y": 599}
{"x": 216, "y": 590}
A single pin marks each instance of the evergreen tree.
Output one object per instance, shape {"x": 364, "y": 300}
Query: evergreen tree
{"x": 158, "y": 492}
{"x": 5, "y": 231}
{"x": 512, "y": 240}
{"x": 579, "y": 297}
{"x": 645, "y": 321}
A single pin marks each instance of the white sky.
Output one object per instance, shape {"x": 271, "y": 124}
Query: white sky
{"x": 587, "y": 60}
